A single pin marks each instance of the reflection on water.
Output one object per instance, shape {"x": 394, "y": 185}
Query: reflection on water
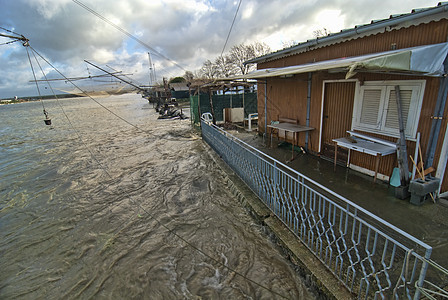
{"x": 109, "y": 211}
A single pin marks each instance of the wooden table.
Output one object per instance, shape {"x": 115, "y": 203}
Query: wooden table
{"x": 365, "y": 146}
{"x": 295, "y": 129}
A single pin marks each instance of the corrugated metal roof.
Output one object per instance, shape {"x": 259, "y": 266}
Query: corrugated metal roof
{"x": 415, "y": 17}
{"x": 426, "y": 60}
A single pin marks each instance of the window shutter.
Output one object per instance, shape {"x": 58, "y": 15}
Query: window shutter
{"x": 371, "y": 101}
{"x": 392, "y": 112}
{"x": 376, "y": 107}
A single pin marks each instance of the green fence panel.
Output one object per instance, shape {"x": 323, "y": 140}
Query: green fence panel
{"x": 201, "y": 104}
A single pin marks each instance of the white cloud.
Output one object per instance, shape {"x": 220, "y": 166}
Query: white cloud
{"x": 186, "y": 31}
{"x": 102, "y": 56}
{"x": 331, "y": 19}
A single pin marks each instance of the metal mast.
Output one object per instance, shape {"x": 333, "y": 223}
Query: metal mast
{"x": 152, "y": 71}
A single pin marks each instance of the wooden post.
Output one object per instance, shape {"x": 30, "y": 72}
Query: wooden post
{"x": 335, "y": 154}
{"x": 210, "y": 95}
{"x": 377, "y": 164}
{"x": 401, "y": 149}
{"x": 199, "y": 104}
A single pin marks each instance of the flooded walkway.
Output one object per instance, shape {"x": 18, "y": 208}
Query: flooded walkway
{"x": 427, "y": 222}
{"x": 124, "y": 213}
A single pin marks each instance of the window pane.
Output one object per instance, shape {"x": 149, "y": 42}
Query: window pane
{"x": 370, "y": 107}
{"x": 392, "y": 113}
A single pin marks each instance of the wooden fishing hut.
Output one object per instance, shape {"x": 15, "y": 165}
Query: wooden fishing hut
{"x": 344, "y": 85}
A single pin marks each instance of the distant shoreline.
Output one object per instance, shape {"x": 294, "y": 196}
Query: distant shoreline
{"x": 35, "y": 98}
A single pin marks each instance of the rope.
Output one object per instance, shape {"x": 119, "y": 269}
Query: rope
{"x": 137, "y": 204}
{"x": 35, "y": 79}
{"x": 10, "y": 42}
{"x": 11, "y": 31}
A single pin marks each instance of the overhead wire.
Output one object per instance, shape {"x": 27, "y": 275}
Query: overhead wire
{"x": 136, "y": 203}
{"x": 154, "y": 51}
{"x": 231, "y": 27}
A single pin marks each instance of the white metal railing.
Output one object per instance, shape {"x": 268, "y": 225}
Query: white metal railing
{"x": 371, "y": 257}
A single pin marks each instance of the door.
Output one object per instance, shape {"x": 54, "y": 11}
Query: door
{"x": 337, "y": 116}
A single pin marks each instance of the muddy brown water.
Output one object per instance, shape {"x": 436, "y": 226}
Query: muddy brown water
{"x": 107, "y": 211}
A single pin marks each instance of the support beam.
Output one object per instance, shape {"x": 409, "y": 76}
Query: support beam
{"x": 210, "y": 97}
{"x": 308, "y": 108}
{"x": 265, "y": 107}
{"x": 401, "y": 149}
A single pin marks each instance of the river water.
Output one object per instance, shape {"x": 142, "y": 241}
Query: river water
{"x": 92, "y": 207}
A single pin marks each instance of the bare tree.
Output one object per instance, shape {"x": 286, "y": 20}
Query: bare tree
{"x": 289, "y": 44}
{"x": 224, "y": 66}
{"x": 234, "y": 62}
{"x": 209, "y": 70}
{"x": 321, "y": 32}
{"x": 188, "y": 76}
{"x": 241, "y": 53}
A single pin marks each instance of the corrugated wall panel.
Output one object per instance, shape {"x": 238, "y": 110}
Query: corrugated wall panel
{"x": 337, "y": 114}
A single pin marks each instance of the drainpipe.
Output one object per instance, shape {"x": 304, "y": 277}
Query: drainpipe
{"x": 308, "y": 108}
{"x": 265, "y": 107}
{"x": 437, "y": 119}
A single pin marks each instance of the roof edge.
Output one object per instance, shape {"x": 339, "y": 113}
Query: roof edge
{"x": 349, "y": 33}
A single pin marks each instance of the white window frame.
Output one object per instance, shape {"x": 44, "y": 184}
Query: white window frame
{"x": 416, "y": 86}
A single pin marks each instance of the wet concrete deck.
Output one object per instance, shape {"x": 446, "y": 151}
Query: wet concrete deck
{"x": 428, "y": 222}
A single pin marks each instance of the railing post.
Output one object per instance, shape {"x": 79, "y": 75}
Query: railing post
{"x": 422, "y": 276}
{"x": 275, "y": 197}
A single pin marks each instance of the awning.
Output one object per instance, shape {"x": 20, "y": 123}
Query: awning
{"x": 422, "y": 60}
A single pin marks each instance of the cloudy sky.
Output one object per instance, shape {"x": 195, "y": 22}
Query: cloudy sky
{"x": 187, "y": 32}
